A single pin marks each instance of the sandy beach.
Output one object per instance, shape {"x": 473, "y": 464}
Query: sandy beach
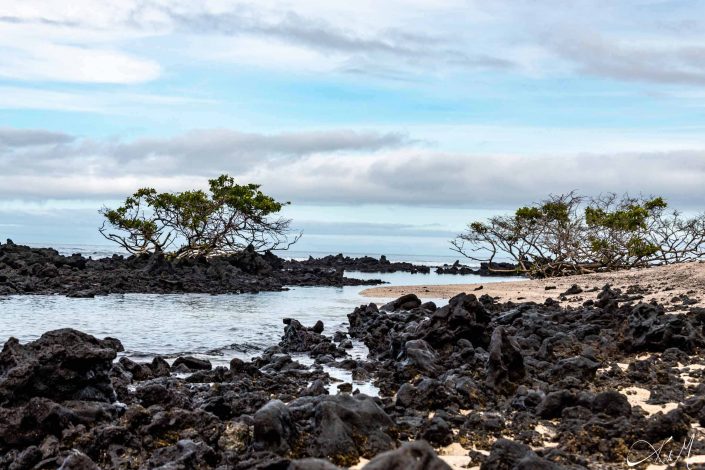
{"x": 669, "y": 285}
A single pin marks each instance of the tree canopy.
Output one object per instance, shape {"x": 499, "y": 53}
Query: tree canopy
{"x": 226, "y": 219}
{"x": 573, "y": 234}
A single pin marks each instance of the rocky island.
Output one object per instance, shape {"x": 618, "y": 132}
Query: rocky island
{"x": 25, "y": 270}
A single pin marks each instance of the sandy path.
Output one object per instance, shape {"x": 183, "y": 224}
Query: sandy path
{"x": 661, "y": 283}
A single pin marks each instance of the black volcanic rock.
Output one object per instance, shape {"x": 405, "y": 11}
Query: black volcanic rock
{"x": 485, "y": 269}
{"x": 191, "y": 363}
{"x": 505, "y": 368}
{"x": 469, "y": 373}
{"x": 417, "y": 455}
{"x": 298, "y": 338}
{"x": 25, "y": 270}
{"x": 60, "y": 365}
{"x": 365, "y": 264}
{"x": 274, "y": 428}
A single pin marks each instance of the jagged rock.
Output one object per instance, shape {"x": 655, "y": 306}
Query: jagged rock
{"x": 580, "y": 368}
{"x": 650, "y": 329}
{"x": 145, "y": 371}
{"x": 60, "y": 365}
{"x": 251, "y": 262}
{"x": 27, "y": 459}
{"x": 428, "y": 394}
{"x": 419, "y": 355}
{"x": 316, "y": 388}
{"x": 365, "y": 264}
{"x": 463, "y": 318}
{"x": 362, "y": 318}
{"x": 674, "y": 424}
{"x": 350, "y": 427}
{"x": 554, "y": 403}
{"x": 298, "y": 338}
{"x": 505, "y": 368}
{"x": 29, "y": 423}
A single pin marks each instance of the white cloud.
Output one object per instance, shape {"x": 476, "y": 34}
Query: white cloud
{"x": 99, "y": 102}
{"x": 37, "y": 53}
{"x": 124, "y": 41}
{"x": 341, "y": 167}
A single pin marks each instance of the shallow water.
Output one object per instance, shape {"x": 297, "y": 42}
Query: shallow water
{"x": 216, "y": 327}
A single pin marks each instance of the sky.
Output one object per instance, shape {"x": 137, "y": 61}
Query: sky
{"x": 388, "y": 124}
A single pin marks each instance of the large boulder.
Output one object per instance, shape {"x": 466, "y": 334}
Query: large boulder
{"x": 29, "y": 423}
{"x": 61, "y": 365}
{"x": 191, "y": 363}
{"x": 362, "y": 318}
{"x": 298, "y": 338}
{"x": 505, "y": 367}
{"x": 506, "y": 454}
{"x": 349, "y": 427}
{"x": 419, "y": 355}
{"x": 417, "y": 455}
{"x": 463, "y": 318}
{"x": 405, "y": 302}
{"x": 251, "y": 262}
{"x": 650, "y": 329}
{"x": 275, "y": 430}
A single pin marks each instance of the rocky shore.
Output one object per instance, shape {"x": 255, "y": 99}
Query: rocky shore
{"x": 486, "y": 384}
{"x": 485, "y": 269}
{"x": 25, "y": 270}
{"x": 677, "y": 286}
{"x": 365, "y": 264}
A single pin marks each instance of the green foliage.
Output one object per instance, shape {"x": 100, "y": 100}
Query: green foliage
{"x": 639, "y": 248}
{"x": 557, "y": 211}
{"x": 572, "y": 234}
{"x": 227, "y": 218}
{"x": 478, "y": 227}
{"x": 631, "y": 217}
{"x": 528, "y": 214}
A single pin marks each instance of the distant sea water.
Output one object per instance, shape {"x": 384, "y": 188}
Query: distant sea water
{"x": 103, "y": 251}
{"x": 216, "y": 327}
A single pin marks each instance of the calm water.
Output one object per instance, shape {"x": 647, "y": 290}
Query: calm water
{"x": 215, "y": 327}
{"x": 221, "y": 326}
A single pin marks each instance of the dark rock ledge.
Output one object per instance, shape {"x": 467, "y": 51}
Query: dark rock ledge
{"x": 25, "y": 270}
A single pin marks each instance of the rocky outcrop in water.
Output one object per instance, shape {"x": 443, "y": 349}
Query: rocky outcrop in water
{"x": 25, "y": 270}
{"x": 507, "y": 385}
{"x": 485, "y": 269}
{"x": 365, "y": 264}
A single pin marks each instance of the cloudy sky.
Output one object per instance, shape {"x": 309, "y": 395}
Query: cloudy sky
{"x": 387, "y": 124}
